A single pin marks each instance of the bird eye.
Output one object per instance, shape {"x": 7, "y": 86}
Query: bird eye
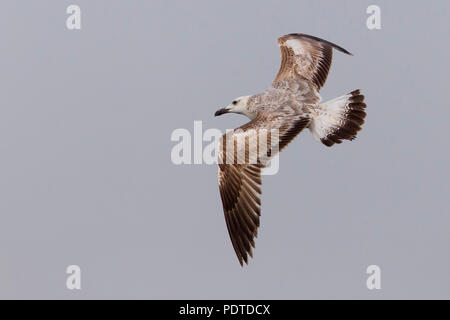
{"x": 234, "y": 102}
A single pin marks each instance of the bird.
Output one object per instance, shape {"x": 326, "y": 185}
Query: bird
{"x": 277, "y": 115}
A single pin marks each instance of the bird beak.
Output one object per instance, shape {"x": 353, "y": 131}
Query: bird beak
{"x": 221, "y": 111}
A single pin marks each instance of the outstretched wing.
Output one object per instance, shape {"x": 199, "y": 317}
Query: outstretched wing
{"x": 242, "y": 154}
{"x": 305, "y": 57}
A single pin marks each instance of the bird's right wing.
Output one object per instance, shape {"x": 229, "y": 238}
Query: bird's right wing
{"x": 242, "y": 154}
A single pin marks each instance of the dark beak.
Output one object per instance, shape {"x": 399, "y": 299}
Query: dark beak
{"x": 221, "y": 111}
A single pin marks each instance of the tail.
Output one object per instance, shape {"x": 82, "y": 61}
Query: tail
{"x": 338, "y": 119}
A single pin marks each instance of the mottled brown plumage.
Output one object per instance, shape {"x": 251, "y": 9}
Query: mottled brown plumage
{"x": 277, "y": 116}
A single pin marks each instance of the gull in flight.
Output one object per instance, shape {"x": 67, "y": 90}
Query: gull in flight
{"x": 277, "y": 115}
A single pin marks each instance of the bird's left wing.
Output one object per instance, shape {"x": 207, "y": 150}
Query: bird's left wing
{"x": 305, "y": 57}
{"x": 242, "y": 154}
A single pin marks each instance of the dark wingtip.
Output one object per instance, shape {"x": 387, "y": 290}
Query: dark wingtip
{"x": 307, "y": 36}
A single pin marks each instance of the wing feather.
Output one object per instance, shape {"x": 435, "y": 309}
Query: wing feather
{"x": 305, "y": 57}
{"x": 240, "y": 183}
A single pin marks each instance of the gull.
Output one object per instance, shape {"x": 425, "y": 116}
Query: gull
{"x": 281, "y": 112}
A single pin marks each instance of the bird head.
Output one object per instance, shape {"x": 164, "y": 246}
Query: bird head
{"x": 239, "y": 105}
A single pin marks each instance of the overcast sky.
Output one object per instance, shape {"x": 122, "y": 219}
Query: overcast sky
{"x": 86, "y": 176}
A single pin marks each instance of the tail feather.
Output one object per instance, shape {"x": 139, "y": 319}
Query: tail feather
{"x": 338, "y": 119}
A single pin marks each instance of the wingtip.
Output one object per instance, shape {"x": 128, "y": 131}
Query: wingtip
{"x": 243, "y": 261}
{"x": 303, "y": 35}
{"x": 338, "y": 48}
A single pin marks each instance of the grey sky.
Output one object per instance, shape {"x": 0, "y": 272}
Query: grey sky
{"x": 86, "y": 176}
